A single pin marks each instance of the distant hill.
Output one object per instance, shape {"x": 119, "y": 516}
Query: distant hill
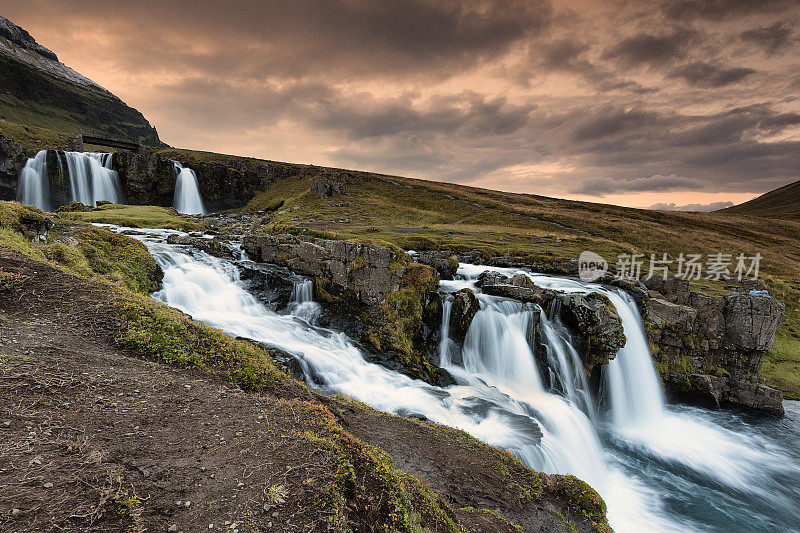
{"x": 38, "y": 90}
{"x": 781, "y": 203}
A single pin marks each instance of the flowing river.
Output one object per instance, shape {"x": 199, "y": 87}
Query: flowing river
{"x": 659, "y": 467}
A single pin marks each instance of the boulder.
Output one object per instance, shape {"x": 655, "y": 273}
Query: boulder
{"x": 463, "y": 310}
{"x": 209, "y": 246}
{"x": 445, "y": 263}
{"x": 364, "y": 273}
{"x": 327, "y": 186}
{"x": 596, "y": 324}
{"x": 518, "y": 287}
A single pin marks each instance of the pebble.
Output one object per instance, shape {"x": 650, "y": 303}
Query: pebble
{"x": 187, "y": 503}
{"x": 267, "y": 507}
{"x": 15, "y": 512}
{"x": 173, "y": 528}
{"x": 179, "y": 503}
{"x": 48, "y": 485}
{"x": 240, "y": 486}
{"x": 7, "y": 423}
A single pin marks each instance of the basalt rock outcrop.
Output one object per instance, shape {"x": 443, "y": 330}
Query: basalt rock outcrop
{"x": 596, "y": 326}
{"x": 362, "y": 273}
{"x": 445, "y": 262}
{"x": 464, "y": 307}
{"x": 708, "y": 348}
{"x": 377, "y": 293}
{"x": 12, "y": 158}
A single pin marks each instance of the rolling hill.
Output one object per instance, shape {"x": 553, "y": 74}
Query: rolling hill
{"x": 783, "y": 203}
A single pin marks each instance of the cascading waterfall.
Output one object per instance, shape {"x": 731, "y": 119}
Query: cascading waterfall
{"x": 633, "y": 385}
{"x": 691, "y": 470}
{"x": 301, "y": 301}
{"x": 187, "y": 199}
{"x": 33, "y": 188}
{"x": 91, "y": 179}
{"x": 565, "y": 365}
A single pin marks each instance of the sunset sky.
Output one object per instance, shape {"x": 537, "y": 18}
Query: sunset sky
{"x": 636, "y": 103}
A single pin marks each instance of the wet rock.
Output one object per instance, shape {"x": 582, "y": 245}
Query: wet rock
{"x": 519, "y": 287}
{"x": 209, "y": 246}
{"x": 445, "y": 263}
{"x": 364, "y": 273}
{"x": 597, "y": 327}
{"x": 463, "y": 310}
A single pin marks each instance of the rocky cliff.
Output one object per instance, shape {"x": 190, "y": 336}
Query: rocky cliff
{"x": 708, "y": 349}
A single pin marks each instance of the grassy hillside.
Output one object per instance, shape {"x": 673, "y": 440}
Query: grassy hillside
{"x": 783, "y": 203}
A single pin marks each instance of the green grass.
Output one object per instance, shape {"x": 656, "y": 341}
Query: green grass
{"x": 136, "y": 216}
{"x": 781, "y": 367}
{"x": 33, "y": 138}
{"x": 88, "y": 251}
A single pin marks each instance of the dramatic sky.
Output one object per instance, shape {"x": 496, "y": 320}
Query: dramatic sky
{"x": 633, "y": 102}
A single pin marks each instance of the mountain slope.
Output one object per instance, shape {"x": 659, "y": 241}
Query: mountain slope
{"x": 781, "y": 203}
{"x": 37, "y": 90}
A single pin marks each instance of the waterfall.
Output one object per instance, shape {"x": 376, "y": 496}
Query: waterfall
{"x": 496, "y": 345}
{"x": 631, "y": 380}
{"x": 33, "y": 188}
{"x": 692, "y": 470}
{"x": 187, "y": 199}
{"x": 565, "y": 365}
{"x": 301, "y": 302}
{"x": 91, "y": 179}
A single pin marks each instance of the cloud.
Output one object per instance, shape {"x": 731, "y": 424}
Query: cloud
{"x": 717, "y": 10}
{"x": 708, "y": 75}
{"x": 656, "y": 183}
{"x": 459, "y": 91}
{"x": 703, "y": 208}
{"x": 647, "y": 49}
{"x": 772, "y": 39}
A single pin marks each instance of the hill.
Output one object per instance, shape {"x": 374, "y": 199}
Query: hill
{"x": 38, "y": 90}
{"x": 783, "y": 203}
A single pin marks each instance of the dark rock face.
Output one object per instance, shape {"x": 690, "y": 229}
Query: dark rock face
{"x": 463, "y": 310}
{"x": 708, "y": 349}
{"x": 597, "y": 325}
{"x": 444, "y": 262}
{"x": 145, "y": 178}
{"x": 363, "y": 272}
{"x": 12, "y": 159}
{"x": 327, "y": 186}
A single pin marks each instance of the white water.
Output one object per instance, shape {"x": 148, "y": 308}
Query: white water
{"x": 677, "y": 471}
{"x": 33, "y": 188}
{"x": 187, "y": 199}
{"x": 91, "y": 179}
